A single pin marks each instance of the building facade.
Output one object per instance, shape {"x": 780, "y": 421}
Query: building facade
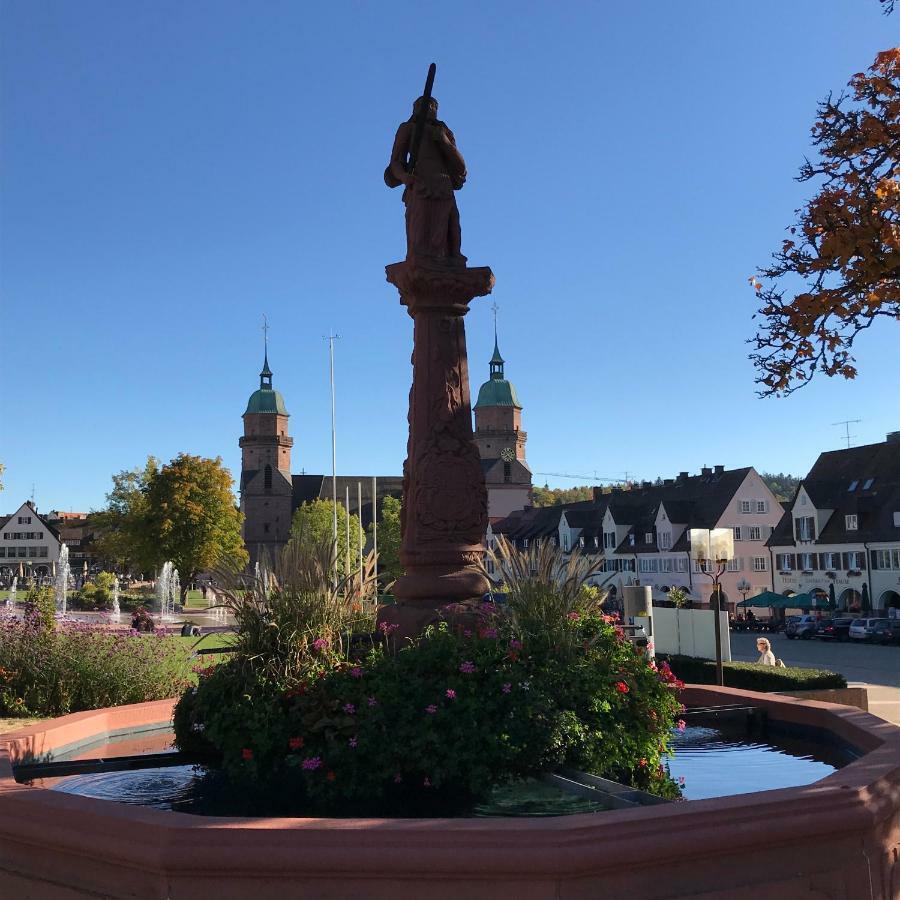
{"x": 501, "y": 443}
{"x": 29, "y": 545}
{"x": 641, "y": 535}
{"x": 840, "y": 537}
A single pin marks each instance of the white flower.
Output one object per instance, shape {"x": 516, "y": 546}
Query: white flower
{"x": 525, "y": 685}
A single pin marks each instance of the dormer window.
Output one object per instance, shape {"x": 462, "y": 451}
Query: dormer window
{"x": 852, "y": 487}
{"x": 868, "y": 483}
{"x": 851, "y": 523}
{"x": 648, "y": 537}
{"x": 805, "y": 528}
{"x": 630, "y": 540}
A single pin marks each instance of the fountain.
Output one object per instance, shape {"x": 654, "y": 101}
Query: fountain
{"x": 11, "y": 599}
{"x": 175, "y": 591}
{"x": 116, "y": 609}
{"x": 164, "y": 585}
{"x": 62, "y": 580}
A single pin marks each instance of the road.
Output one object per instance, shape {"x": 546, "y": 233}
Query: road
{"x": 855, "y": 660}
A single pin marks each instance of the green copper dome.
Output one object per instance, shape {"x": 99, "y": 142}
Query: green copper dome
{"x": 266, "y": 399}
{"x": 498, "y": 391}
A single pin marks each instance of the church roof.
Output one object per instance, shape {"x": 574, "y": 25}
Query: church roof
{"x": 266, "y": 399}
{"x": 497, "y": 391}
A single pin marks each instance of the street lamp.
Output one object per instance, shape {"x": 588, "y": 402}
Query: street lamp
{"x": 744, "y": 587}
{"x": 716, "y": 546}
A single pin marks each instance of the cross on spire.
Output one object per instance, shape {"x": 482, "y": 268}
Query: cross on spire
{"x": 265, "y": 377}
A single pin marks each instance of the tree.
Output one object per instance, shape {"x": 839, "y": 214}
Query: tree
{"x": 314, "y": 521}
{"x": 547, "y": 496}
{"x": 781, "y": 485}
{"x": 121, "y": 533}
{"x": 389, "y": 539}
{"x": 191, "y": 518}
{"x": 845, "y": 244}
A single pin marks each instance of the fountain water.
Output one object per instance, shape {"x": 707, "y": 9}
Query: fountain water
{"x": 11, "y": 599}
{"x": 164, "y": 590}
{"x": 175, "y": 591}
{"x": 116, "y": 609}
{"x": 62, "y": 579}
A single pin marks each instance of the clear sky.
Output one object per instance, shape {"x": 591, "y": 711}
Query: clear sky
{"x": 172, "y": 171}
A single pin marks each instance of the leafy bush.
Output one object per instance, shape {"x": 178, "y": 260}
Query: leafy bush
{"x": 431, "y": 727}
{"x": 40, "y": 607}
{"x": 754, "y": 677}
{"x": 47, "y": 671}
{"x": 96, "y": 594}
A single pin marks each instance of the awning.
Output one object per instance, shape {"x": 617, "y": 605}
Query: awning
{"x": 779, "y": 601}
{"x": 766, "y": 598}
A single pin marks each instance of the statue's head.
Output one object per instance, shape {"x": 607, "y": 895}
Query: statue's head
{"x": 432, "y": 107}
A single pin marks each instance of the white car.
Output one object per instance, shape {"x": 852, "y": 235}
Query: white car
{"x": 863, "y": 629}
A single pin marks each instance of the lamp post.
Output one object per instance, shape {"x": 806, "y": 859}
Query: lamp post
{"x": 744, "y": 587}
{"x": 716, "y": 546}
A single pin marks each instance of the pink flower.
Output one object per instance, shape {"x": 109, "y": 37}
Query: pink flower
{"x": 574, "y": 616}
{"x": 247, "y": 754}
{"x": 451, "y": 694}
{"x": 387, "y": 628}
{"x": 467, "y": 668}
{"x": 373, "y": 701}
{"x": 356, "y": 672}
{"x": 680, "y": 724}
{"x": 426, "y": 782}
{"x": 320, "y": 644}
{"x": 398, "y": 778}
{"x": 488, "y": 633}
{"x": 621, "y": 687}
{"x": 312, "y": 763}
{"x": 515, "y": 645}
{"x": 467, "y": 633}
{"x": 431, "y": 709}
{"x": 295, "y": 743}
{"x": 349, "y": 708}
{"x": 352, "y": 742}
{"x": 506, "y": 688}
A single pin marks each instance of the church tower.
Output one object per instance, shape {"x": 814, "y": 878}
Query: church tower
{"x": 501, "y": 441}
{"x": 266, "y": 484}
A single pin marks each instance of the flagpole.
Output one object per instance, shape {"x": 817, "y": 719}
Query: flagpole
{"x": 331, "y": 339}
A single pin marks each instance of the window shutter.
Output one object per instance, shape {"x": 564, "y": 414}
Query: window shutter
{"x": 845, "y": 560}
{"x": 874, "y": 560}
{"x": 861, "y": 561}
{"x": 793, "y": 558}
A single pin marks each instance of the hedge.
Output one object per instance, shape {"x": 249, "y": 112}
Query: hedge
{"x": 753, "y": 676}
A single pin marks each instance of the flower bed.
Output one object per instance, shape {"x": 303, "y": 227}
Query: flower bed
{"x": 431, "y": 727}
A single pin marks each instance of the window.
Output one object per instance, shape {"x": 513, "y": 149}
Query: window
{"x": 784, "y": 562}
{"x": 3, "y": 555}
{"x": 43, "y": 553}
{"x": 524, "y": 543}
{"x": 850, "y": 523}
{"x": 806, "y": 561}
{"x": 665, "y": 540}
{"x": 23, "y": 552}
{"x": 596, "y": 541}
{"x": 266, "y": 527}
{"x": 33, "y": 552}
{"x": 267, "y": 479}
{"x": 760, "y": 564}
{"x": 737, "y": 532}
{"x": 734, "y": 565}
{"x": 609, "y": 540}
{"x": 868, "y": 484}
{"x": 745, "y": 506}
{"x": 831, "y": 561}
{"x": 507, "y": 472}
{"x": 581, "y": 542}
{"x": 665, "y": 565}
{"x": 852, "y": 487}
{"x": 755, "y": 533}
{"x": 681, "y": 565}
{"x": 630, "y": 540}
{"x": 805, "y": 528}
{"x": 566, "y": 542}
{"x": 803, "y": 499}
{"x": 648, "y": 565}
{"x": 762, "y": 506}
{"x": 24, "y": 520}
{"x": 648, "y": 537}
{"x": 39, "y": 535}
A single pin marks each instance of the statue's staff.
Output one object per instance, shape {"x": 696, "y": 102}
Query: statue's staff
{"x": 421, "y": 119}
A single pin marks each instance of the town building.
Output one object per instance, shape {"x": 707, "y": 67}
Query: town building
{"x": 840, "y": 536}
{"x": 501, "y": 442}
{"x": 270, "y": 493}
{"x": 29, "y": 544}
{"x": 641, "y": 534}
{"x": 77, "y": 531}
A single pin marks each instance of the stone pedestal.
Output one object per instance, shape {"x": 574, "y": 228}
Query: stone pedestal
{"x": 444, "y": 513}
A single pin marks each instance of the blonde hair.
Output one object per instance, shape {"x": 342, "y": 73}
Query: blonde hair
{"x": 765, "y": 642}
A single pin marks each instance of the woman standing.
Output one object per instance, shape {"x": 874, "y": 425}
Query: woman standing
{"x": 766, "y": 656}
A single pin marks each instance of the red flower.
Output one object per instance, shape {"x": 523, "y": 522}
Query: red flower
{"x": 295, "y": 743}
{"x": 621, "y": 687}
{"x": 642, "y": 763}
{"x": 247, "y": 753}
{"x": 512, "y": 655}
{"x": 331, "y": 776}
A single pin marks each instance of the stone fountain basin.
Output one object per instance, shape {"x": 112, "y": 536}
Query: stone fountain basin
{"x": 836, "y": 838}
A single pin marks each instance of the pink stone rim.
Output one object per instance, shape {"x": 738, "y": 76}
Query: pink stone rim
{"x": 49, "y": 835}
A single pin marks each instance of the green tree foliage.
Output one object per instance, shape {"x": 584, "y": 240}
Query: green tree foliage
{"x": 781, "y": 485}
{"x": 547, "y": 496}
{"x": 389, "y": 539}
{"x": 191, "y": 518}
{"x": 313, "y": 522}
{"x": 121, "y": 527}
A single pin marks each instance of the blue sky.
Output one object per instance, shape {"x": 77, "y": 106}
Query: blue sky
{"x": 172, "y": 171}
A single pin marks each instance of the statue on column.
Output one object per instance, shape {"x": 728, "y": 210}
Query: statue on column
{"x": 426, "y": 161}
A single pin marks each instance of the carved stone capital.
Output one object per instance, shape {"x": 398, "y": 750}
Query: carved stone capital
{"x": 439, "y": 289}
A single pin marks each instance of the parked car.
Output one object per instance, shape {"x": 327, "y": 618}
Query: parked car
{"x": 863, "y": 629}
{"x": 805, "y": 628}
{"x": 886, "y": 631}
{"x": 834, "y": 629}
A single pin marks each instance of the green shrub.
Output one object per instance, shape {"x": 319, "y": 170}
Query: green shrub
{"x": 433, "y": 727}
{"x": 755, "y": 677}
{"x": 40, "y": 607}
{"x": 47, "y": 671}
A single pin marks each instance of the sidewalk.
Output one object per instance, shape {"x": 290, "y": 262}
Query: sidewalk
{"x": 884, "y": 701}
